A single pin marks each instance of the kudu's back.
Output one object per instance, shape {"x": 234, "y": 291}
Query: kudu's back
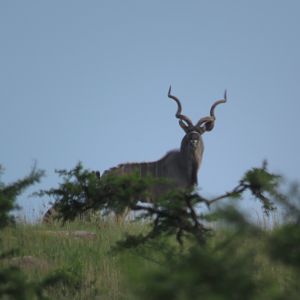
{"x": 170, "y": 170}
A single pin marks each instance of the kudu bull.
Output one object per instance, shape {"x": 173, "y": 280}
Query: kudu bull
{"x": 179, "y": 167}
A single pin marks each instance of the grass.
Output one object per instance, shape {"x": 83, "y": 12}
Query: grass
{"x": 94, "y": 272}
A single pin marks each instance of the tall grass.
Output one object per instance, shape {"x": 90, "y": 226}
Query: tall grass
{"x": 93, "y": 271}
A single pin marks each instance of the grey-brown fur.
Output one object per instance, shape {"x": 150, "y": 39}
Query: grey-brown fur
{"x": 179, "y": 167}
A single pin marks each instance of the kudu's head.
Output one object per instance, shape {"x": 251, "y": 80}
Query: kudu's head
{"x": 192, "y": 144}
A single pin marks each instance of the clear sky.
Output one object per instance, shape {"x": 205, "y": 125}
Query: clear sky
{"x": 88, "y": 80}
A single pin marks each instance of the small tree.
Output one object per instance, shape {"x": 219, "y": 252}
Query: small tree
{"x": 174, "y": 214}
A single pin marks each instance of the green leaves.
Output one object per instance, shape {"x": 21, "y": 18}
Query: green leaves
{"x": 262, "y": 185}
{"x": 9, "y": 193}
{"x": 174, "y": 214}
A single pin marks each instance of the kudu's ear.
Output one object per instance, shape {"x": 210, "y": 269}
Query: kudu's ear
{"x": 184, "y": 126}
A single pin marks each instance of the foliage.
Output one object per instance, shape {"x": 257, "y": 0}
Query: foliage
{"x": 204, "y": 273}
{"x": 200, "y": 266}
{"x": 82, "y": 191}
{"x": 284, "y": 243}
{"x": 261, "y": 182}
{"x": 9, "y": 192}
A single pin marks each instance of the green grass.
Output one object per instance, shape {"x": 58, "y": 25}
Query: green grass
{"x": 95, "y": 273}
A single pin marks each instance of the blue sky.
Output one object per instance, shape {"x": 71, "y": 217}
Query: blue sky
{"x": 88, "y": 80}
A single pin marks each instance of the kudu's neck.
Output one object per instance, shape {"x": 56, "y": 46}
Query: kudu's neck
{"x": 191, "y": 152}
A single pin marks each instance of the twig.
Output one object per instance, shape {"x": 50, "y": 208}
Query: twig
{"x": 238, "y": 190}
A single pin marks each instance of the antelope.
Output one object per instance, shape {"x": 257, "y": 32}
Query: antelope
{"x": 179, "y": 167}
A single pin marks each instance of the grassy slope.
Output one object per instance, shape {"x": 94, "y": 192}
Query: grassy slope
{"x": 95, "y": 272}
